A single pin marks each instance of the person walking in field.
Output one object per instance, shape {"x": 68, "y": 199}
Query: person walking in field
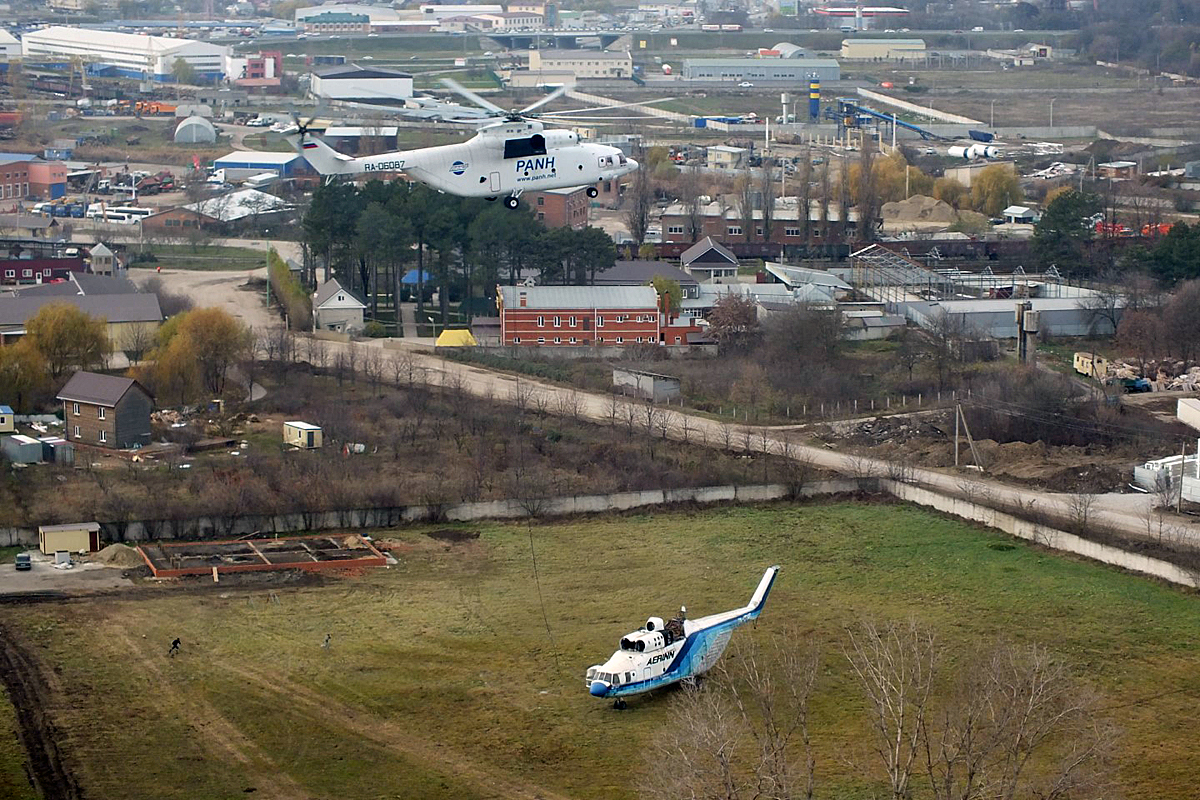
{"x": 328, "y": 640}
{"x": 175, "y": 645}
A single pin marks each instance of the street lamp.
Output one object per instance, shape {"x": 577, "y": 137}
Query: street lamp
{"x": 1052, "y": 99}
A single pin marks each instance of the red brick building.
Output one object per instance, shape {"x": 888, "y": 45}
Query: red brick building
{"x": 561, "y": 208}
{"x": 578, "y": 315}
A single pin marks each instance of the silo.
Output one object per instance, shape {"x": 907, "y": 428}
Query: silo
{"x": 814, "y": 99}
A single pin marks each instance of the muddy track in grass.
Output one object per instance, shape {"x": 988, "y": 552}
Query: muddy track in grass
{"x": 396, "y": 737}
{"x": 30, "y": 697}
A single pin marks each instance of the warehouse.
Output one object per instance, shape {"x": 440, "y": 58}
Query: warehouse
{"x": 127, "y": 55}
{"x": 582, "y": 63}
{"x": 883, "y": 49}
{"x": 1060, "y": 316}
{"x": 242, "y": 164}
{"x": 761, "y": 69}
{"x": 352, "y": 82}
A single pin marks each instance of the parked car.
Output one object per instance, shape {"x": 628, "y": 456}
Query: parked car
{"x": 745, "y": 85}
{"x": 24, "y": 562}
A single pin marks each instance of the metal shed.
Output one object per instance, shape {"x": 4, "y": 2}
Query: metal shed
{"x": 302, "y": 434}
{"x": 649, "y": 385}
{"x": 21, "y": 449}
{"x": 7, "y": 422}
{"x": 74, "y": 537}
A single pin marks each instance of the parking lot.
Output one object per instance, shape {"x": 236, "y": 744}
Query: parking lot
{"x": 45, "y": 578}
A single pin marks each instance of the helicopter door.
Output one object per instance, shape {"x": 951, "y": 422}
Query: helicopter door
{"x": 494, "y": 181}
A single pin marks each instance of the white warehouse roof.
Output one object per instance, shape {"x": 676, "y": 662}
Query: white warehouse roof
{"x": 257, "y": 157}
{"x": 551, "y": 297}
{"x": 112, "y": 40}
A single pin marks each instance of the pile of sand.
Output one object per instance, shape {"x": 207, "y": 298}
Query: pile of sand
{"x": 919, "y": 208}
{"x": 119, "y": 555}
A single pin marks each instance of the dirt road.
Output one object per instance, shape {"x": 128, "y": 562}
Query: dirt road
{"x": 217, "y": 289}
{"x": 1128, "y": 513}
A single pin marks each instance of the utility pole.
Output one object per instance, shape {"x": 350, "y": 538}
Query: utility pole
{"x": 957, "y": 414}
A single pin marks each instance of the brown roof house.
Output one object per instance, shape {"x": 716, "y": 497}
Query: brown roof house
{"x": 106, "y": 411}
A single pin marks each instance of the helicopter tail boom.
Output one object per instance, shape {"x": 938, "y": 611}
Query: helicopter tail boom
{"x": 323, "y": 158}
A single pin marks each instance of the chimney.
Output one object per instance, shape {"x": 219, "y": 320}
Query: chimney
{"x": 522, "y": 299}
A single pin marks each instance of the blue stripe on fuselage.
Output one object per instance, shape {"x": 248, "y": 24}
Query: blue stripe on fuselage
{"x": 674, "y": 673}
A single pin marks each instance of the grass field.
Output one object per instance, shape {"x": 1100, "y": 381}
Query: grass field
{"x": 202, "y": 257}
{"x": 14, "y": 785}
{"x": 441, "y": 680}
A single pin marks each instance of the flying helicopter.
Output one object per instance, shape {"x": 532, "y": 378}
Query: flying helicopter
{"x": 661, "y": 654}
{"x": 511, "y": 153}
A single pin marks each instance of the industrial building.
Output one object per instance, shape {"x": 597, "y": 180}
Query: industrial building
{"x": 438, "y": 11}
{"x": 365, "y": 84}
{"x": 883, "y": 49}
{"x": 337, "y": 22}
{"x": 582, "y": 63}
{"x": 761, "y": 69}
{"x": 126, "y": 55}
{"x": 242, "y": 164}
{"x": 578, "y": 315}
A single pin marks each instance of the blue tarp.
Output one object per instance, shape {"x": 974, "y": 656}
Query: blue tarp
{"x": 410, "y": 277}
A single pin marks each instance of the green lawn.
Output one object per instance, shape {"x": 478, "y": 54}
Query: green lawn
{"x": 14, "y": 783}
{"x": 202, "y": 257}
{"x": 442, "y": 681}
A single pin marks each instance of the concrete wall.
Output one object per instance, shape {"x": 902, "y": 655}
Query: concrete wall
{"x": 349, "y": 519}
{"x": 1048, "y": 537}
{"x": 359, "y": 518}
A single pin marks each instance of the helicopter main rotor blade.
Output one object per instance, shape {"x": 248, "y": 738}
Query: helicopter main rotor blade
{"x": 593, "y": 109}
{"x": 455, "y": 86}
{"x": 550, "y": 98}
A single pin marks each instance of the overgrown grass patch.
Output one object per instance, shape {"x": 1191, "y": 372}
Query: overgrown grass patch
{"x": 448, "y": 652}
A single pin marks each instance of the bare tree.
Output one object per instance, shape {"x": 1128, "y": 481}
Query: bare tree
{"x": 1079, "y": 506}
{"x": 138, "y": 339}
{"x": 895, "y": 665}
{"x": 520, "y": 395}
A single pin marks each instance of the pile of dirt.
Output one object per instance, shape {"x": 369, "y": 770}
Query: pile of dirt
{"x": 919, "y": 208}
{"x": 119, "y": 555}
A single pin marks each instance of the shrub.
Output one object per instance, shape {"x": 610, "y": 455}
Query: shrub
{"x": 375, "y": 329}
{"x": 290, "y": 295}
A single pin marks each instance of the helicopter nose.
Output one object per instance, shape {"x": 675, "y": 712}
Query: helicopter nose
{"x": 632, "y": 165}
{"x": 598, "y": 689}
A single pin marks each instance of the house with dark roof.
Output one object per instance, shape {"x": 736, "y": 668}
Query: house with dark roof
{"x": 709, "y": 260}
{"x": 78, "y": 283}
{"x": 336, "y": 308}
{"x": 106, "y": 410}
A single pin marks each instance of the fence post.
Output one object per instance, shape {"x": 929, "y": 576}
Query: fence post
{"x": 889, "y": 401}
{"x": 919, "y": 401}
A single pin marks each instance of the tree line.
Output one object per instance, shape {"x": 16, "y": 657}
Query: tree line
{"x": 371, "y": 236}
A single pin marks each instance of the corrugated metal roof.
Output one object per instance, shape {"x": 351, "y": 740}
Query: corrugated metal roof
{"x": 91, "y": 527}
{"x": 97, "y": 389}
{"x": 553, "y": 297}
{"x": 137, "y": 307}
{"x": 255, "y": 157}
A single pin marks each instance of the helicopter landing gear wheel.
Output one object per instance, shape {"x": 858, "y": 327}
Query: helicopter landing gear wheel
{"x": 511, "y": 201}
{"x": 592, "y": 191}
{"x": 620, "y": 705}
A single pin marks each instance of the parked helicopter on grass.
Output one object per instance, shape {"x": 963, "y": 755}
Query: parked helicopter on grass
{"x": 512, "y": 152}
{"x": 661, "y": 654}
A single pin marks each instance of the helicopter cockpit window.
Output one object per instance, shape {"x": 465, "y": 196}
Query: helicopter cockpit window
{"x": 606, "y": 161}
{"x": 523, "y": 148}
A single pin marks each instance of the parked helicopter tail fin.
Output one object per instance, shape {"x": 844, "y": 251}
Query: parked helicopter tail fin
{"x": 323, "y": 158}
{"x": 759, "y": 599}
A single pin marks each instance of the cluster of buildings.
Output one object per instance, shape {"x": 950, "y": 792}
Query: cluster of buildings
{"x": 341, "y": 18}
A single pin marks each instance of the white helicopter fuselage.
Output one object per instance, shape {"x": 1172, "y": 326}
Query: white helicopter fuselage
{"x": 503, "y": 159}
{"x": 661, "y": 654}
